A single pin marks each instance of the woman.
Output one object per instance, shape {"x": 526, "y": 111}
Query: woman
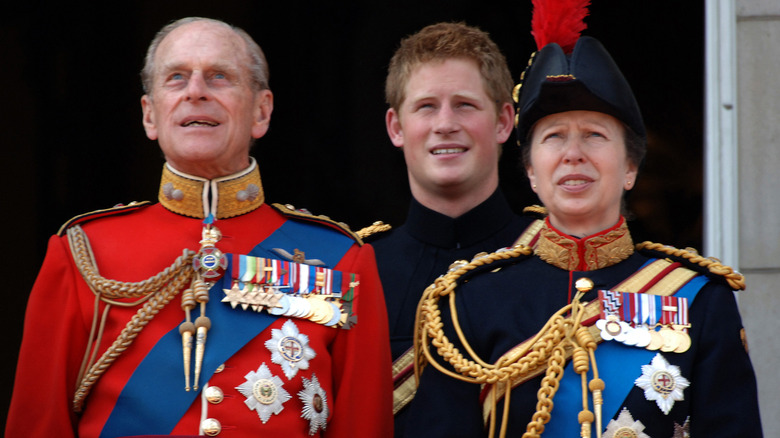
{"x": 583, "y": 332}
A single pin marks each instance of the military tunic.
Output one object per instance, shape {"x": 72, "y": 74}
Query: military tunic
{"x": 500, "y": 308}
{"x": 411, "y": 256}
{"x": 339, "y": 387}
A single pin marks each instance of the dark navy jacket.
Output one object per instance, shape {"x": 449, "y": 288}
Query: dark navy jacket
{"x": 499, "y": 310}
{"x": 413, "y": 255}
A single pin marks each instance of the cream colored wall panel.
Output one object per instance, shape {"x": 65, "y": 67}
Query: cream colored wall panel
{"x": 749, "y": 8}
{"x": 758, "y": 54}
{"x": 760, "y": 307}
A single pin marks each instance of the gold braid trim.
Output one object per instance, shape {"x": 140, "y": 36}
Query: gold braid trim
{"x": 546, "y": 350}
{"x": 376, "y": 227}
{"x": 155, "y": 292}
{"x": 538, "y": 209}
{"x": 735, "y": 280}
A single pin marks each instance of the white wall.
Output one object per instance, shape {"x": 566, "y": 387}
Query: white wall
{"x": 758, "y": 116}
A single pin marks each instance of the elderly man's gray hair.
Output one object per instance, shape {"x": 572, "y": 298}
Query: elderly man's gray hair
{"x": 258, "y": 67}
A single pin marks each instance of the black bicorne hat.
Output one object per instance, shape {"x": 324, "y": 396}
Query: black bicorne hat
{"x": 587, "y": 78}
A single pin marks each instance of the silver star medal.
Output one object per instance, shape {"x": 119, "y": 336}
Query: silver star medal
{"x": 290, "y": 349}
{"x": 315, "y": 404}
{"x": 662, "y": 383}
{"x": 625, "y": 427}
{"x": 264, "y": 393}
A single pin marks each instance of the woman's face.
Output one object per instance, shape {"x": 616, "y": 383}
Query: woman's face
{"x": 579, "y": 170}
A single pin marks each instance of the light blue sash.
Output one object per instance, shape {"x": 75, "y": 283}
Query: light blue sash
{"x": 618, "y": 365}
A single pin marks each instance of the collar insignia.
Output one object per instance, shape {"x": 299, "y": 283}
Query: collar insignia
{"x": 225, "y": 197}
{"x": 588, "y": 254}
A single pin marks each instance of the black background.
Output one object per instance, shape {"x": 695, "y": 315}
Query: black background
{"x": 72, "y": 139}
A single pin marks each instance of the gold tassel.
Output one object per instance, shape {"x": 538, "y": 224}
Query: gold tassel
{"x": 202, "y": 326}
{"x": 187, "y": 330}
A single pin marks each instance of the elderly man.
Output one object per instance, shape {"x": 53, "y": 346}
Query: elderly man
{"x": 209, "y": 312}
{"x": 448, "y": 87}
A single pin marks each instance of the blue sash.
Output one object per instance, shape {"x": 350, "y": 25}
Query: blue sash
{"x": 618, "y": 365}
{"x": 153, "y": 399}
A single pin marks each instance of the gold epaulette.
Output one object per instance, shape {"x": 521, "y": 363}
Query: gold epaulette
{"x": 536, "y": 209}
{"x": 530, "y": 235}
{"x": 375, "y": 228}
{"x": 290, "y": 211}
{"x": 691, "y": 258}
{"x": 86, "y": 217}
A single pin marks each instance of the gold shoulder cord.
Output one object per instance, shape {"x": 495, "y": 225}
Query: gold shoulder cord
{"x": 548, "y": 349}
{"x": 155, "y": 293}
{"x": 735, "y": 280}
{"x": 376, "y": 227}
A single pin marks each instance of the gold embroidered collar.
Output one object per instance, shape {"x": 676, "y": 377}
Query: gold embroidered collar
{"x": 598, "y": 251}
{"x": 224, "y": 197}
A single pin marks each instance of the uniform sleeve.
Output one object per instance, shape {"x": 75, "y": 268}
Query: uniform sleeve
{"x": 361, "y": 358}
{"x": 52, "y": 349}
{"x": 725, "y": 397}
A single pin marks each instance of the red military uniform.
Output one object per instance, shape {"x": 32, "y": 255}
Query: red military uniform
{"x": 250, "y": 390}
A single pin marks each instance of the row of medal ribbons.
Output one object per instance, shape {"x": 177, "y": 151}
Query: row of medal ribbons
{"x": 633, "y": 319}
{"x": 290, "y": 277}
{"x": 290, "y": 289}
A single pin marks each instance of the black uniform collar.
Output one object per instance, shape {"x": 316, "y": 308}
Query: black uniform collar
{"x": 471, "y": 227}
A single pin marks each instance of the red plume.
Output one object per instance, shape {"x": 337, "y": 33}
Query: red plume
{"x": 559, "y": 21}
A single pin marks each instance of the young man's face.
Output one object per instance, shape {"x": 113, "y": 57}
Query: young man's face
{"x": 450, "y": 130}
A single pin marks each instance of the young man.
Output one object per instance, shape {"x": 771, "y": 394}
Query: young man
{"x": 449, "y": 91}
{"x": 210, "y": 312}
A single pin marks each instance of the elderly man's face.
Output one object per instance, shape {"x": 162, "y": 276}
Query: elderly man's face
{"x": 202, "y": 108}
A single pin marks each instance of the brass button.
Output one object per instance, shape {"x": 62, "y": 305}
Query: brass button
{"x": 214, "y": 395}
{"x": 211, "y": 427}
{"x": 220, "y": 369}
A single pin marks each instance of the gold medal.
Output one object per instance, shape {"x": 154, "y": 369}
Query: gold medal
{"x": 656, "y": 341}
{"x": 317, "y": 310}
{"x": 612, "y": 327}
{"x": 685, "y": 342}
{"x": 671, "y": 339}
{"x": 326, "y": 312}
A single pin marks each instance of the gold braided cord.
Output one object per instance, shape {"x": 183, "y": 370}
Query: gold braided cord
{"x": 88, "y": 359}
{"x": 126, "y": 338}
{"x": 112, "y": 289}
{"x": 538, "y": 209}
{"x": 735, "y": 280}
{"x": 547, "y": 350}
{"x": 155, "y": 293}
{"x": 376, "y": 227}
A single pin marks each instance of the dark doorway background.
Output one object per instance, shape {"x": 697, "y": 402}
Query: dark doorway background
{"x": 73, "y": 142}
